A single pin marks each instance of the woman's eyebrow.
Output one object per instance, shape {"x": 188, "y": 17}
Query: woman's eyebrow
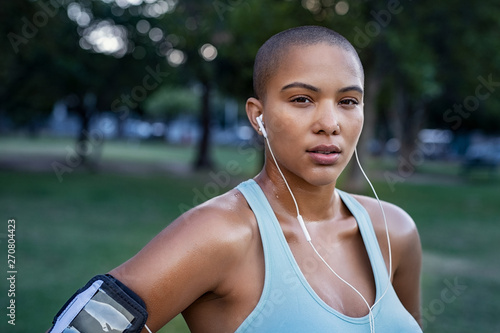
{"x": 300, "y": 85}
{"x": 316, "y": 89}
{"x": 351, "y": 88}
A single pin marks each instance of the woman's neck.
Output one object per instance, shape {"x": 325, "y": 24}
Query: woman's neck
{"x": 316, "y": 203}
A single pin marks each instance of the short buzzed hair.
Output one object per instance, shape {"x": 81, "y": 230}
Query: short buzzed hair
{"x": 271, "y": 53}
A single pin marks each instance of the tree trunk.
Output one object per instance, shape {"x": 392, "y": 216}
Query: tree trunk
{"x": 82, "y": 144}
{"x": 411, "y": 115}
{"x": 88, "y": 144}
{"x": 203, "y": 160}
{"x": 355, "y": 181}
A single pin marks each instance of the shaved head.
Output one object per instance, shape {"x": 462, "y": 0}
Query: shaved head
{"x": 270, "y": 56}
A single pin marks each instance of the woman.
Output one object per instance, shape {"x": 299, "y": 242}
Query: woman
{"x": 242, "y": 261}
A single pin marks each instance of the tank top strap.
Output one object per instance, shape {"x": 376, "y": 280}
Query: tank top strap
{"x": 277, "y": 255}
{"x": 369, "y": 237}
{"x": 272, "y": 235}
{"x": 263, "y": 212}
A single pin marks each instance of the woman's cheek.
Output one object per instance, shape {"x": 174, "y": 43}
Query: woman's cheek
{"x": 276, "y": 123}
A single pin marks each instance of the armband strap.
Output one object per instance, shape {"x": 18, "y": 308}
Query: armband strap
{"x": 104, "y": 304}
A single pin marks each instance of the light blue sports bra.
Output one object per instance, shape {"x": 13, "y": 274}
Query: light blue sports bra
{"x": 289, "y": 304}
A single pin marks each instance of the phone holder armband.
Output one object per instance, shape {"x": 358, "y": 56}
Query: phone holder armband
{"x": 104, "y": 304}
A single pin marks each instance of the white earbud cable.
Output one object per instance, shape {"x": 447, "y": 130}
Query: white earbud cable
{"x": 308, "y": 237}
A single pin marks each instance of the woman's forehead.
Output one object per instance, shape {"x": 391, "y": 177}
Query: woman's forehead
{"x": 316, "y": 62}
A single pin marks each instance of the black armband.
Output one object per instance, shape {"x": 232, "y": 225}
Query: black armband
{"x": 104, "y": 304}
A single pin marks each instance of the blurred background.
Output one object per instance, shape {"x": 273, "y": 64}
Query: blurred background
{"x": 116, "y": 116}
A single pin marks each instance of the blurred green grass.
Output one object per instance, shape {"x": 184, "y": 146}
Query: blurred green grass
{"x": 248, "y": 158}
{"x": 91, "y": 222}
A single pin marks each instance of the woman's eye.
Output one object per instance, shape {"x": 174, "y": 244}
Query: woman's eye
{"x": 349, "y": 101}
{"x": 301, "y": 99}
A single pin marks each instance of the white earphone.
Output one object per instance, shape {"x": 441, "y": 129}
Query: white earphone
{"x": 261, "y": 126}
{"x": 308, "y": 237}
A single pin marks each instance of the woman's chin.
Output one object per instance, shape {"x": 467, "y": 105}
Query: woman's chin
{"x": 322, "y": 178}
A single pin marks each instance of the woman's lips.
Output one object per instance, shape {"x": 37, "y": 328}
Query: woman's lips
{"x": 324, "y": 154}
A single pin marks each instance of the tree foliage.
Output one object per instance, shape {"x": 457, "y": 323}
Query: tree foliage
{"x": 424, "y": 61}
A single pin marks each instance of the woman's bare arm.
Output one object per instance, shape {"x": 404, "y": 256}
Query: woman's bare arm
{"x": 189, "y": 258}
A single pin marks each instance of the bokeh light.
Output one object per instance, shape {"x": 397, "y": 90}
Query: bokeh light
{"x": 175, "y": 57}
{"x": 105, "y": 37}
{"x": 341, "y": 8}
{"x": 314, "y": 6}
{"x": 208, "y": 52}
{"x": 79, "y": 14}
{"x": 156, "y": 34}
{"x": 143, "y": 26}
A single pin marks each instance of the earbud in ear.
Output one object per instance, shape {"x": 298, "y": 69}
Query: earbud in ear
{"x": 261, "y": 126}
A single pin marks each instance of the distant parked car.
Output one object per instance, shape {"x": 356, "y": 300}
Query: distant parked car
{"x": 482, "y": 155}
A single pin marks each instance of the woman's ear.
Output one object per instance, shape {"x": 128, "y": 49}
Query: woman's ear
{"x": 254, "y": 109}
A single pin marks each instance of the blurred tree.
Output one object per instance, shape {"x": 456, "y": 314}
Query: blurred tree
{"x": 49, "y": 58}
{"x": 407, "y": 62}
{"x": 465, "y": 41}
{"x": 193, "y": 26}
{"x": 23, "y": 71}
{"x": 171, "y": 101}
{"x": 423, "y": 62}
{"x": 437, "y": 60}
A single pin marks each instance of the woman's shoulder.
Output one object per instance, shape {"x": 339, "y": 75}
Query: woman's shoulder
{"x": 196, "y": 254}
{"x": 403, "y": 233}
{"x": 224, "y": 220}
{"x": 227, "y": 210}
{"x": 400, "y": 223}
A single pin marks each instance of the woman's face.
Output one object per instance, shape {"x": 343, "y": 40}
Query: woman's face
{"x": 313, "y": 112}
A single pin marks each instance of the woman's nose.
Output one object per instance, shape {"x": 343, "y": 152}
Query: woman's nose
{"x": 327, "y": 119}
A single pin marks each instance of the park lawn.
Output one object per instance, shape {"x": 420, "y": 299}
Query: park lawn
{"x": 247, "y": 157}
{"x": 459, "y": 230}
{"x": 68, "y": 231}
